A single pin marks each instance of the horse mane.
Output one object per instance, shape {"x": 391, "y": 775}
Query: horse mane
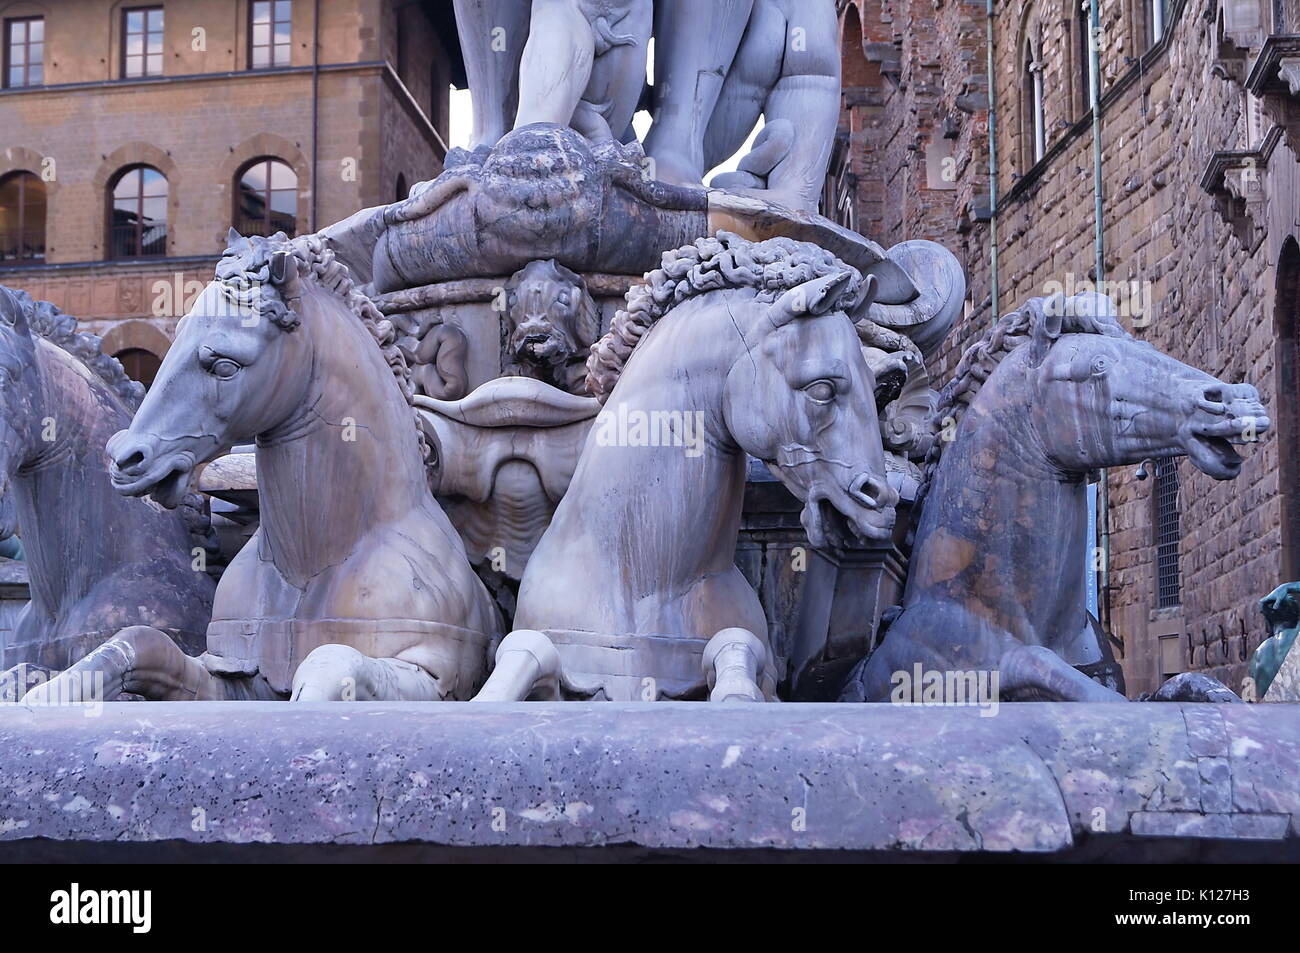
{"x": 1085, "y": 313}
{"x": 48, "y": 322}
{"x": 247, "y": 276}
{"x": 725, "y": 261}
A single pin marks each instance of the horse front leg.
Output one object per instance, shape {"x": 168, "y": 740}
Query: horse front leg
{"x": 332, "y": 673}
{"x": 527, "y": 665}
{"x": 139, "y": 660}
{"x": 1042, "y": 675}
{"x": 733, "y": 661}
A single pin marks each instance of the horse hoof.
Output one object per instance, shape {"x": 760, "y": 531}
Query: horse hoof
{"x": 527, "y": 664}
{"x": 733, "y": 661}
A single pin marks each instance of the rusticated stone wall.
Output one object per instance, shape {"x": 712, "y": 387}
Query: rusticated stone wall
{"x": 1199, "y": 276}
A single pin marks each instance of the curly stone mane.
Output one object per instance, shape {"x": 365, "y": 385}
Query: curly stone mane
{"x": 47, "y": 321}
{"x": 726, "y": 261}
{"x": 252, "y": 276}
{"x": 1083, "y": 314}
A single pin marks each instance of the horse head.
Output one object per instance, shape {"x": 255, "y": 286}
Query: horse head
{"x": 803, "y": 401}
{"x": 1101, "y": 398}
{"x": 236, "y": 370}
{"x": 18, "y": 387}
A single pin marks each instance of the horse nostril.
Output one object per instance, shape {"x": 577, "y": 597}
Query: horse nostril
{"x": 1214, "y": 394}
{"x": 133, "y": 460}
{"x": 869, "y": 491}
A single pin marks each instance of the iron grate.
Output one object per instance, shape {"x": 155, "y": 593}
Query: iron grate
{"x": 1168, "y": 534}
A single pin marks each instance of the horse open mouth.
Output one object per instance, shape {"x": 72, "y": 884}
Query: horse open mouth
{"x": 1214, "y": 455}
{"x": 167, "y": 481}
{"x": 835, "y": 527}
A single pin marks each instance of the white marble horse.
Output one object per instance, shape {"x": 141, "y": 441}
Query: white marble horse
{"x": 355, "y": 585}
{"x": 732, "y": 349}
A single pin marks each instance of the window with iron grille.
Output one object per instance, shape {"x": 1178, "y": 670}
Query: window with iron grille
{"x": 142, "y": 42}
{"x": 270, "y": 30}
{"x": 1168, "y": 534}
{"x": 24, "y": 52}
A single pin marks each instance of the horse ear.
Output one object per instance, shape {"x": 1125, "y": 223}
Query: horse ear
{"x": 1046, "y": 326}
{"x": 279, "y": 267}
{"x": 10, "y": 303}
{"x": 810, "y": 298}
{"x": 233, "y": 236}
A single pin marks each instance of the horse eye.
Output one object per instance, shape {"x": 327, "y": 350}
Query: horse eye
{"x": 823, "y": 391}
{"x": 224, "y": 369}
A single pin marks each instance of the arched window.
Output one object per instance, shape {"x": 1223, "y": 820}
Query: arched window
{"x": 1287, "y": 400}
{"x": 1033, "y": 131}
{"x": 138, "y": 214}
{"x": 402, "y": 191}
{"x": 268, "y": 199}
{"x": 139, "y": 364}
{"x": 22, "y": 217}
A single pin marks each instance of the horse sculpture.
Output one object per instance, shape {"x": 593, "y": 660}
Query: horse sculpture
{"x": 1047, "y": 396}
{"x": 97, "y": 562}
{"x": 731, "y": 348}
{"x": 355, "y": 585}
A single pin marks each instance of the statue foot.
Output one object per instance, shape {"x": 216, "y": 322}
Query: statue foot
{"x": 527, "y": 666}
{"x": 332, "y": 673}
{"x": 733, "y": 661}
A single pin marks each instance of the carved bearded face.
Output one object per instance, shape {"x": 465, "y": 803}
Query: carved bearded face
{"x": 552, "y": 319}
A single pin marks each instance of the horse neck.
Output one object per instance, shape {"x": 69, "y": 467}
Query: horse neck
{"x": 682, "y": 523}
{"x": 1002, "y": 524}
{"x": 75, "y": 526}
{"x": 347, "y": 461}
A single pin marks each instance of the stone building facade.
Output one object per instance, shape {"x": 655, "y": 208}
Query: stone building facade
{"x": 1198, "y": 121}
{"x": 134, "y": 134}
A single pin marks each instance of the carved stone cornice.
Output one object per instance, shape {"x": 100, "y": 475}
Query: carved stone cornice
{"x": 1275, "y": 80}
{"x": 1236, "y": 178}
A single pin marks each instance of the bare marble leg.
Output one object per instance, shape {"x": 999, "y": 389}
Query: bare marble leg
{"x": 733, "y": 661}
{"x": 492, "y": 35}
{"x": 557, "y": 63}
{"x": 527, "y": 664}
{"x": 340, "y": 673}
{"x": 694, "y": 47}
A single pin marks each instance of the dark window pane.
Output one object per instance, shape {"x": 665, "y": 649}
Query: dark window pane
{"x": 22, "y": 217}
